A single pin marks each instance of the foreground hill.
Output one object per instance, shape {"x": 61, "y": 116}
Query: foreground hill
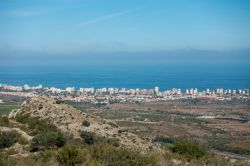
{"x": 70, "y": 120}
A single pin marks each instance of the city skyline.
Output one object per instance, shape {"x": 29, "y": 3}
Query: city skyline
{"x": 122, "y": 95}
{"x": 92, "y": 89}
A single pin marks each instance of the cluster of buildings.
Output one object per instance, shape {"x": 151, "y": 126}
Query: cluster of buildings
{"x": 219, "y": 91}
{"x": 20, "y": 88}
{"x": 110, "y": 95}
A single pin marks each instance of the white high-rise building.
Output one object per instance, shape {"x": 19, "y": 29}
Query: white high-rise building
{"x": 26, "y": 87}
{"x": 221, "y": 91}
{"x": 70, "y": 89}
{"x": 122, "y": 90}
{"x": 195, "y": 91}
{"x": 116, "y": 90}
{"x": 191, "y": 91}
{"x": 55, "y": 90}
{"x": 179, "y": 91}
{"x": 157, "y": 90}
{"x": 40, "y": 86}
{"x": 111, "y": 90}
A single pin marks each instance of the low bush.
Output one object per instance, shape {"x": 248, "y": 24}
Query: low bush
{"x": 112, "y": 156}
{"x": 44, "y": 156}
{"x": 188, "y": 149}
{"x": 88, "y": 137}
{"x": 114, "y": 141}
{"x": 4, "y": 121}
{"x": 22, "y": 140}
{"x": 8, "y": 138}
{"x": 48, "y": 140}
{"x": 91, "y": 138}
{"x": 122, "y": 131}
{"x": 165, "y": 140}
{"x": 35, "y": 124}
{"x": 5, "y": 160}
{"x": 86, "y": 123}
{"x": 59, "y": 102}
{"x": 71, "y": 156}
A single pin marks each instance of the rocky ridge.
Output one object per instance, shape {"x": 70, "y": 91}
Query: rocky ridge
{"x": 69, "y": 120}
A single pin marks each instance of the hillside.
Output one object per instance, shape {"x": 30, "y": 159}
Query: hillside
{"x": 69, "y": 120}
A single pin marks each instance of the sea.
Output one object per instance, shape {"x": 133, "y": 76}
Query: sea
{"x": 164, "y": 75}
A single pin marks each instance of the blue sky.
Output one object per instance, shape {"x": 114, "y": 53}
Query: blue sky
{"x": 69, "y": 26}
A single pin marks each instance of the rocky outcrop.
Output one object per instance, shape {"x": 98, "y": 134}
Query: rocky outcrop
{"x": 69, "y": 120}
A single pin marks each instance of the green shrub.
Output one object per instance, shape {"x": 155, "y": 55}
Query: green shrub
{"x": 47, "y": 141}
{"x": 86, "y": 123}
{"x": 22, "y": 118}
{"x": 122, "y": 131}
{"x": 70, "y": 156}
{"x": 22, "y": 140}
{"x": 91, "y": 138}
{"x": 114, "y": 142}
{"x": 5, "y": 160}
{"x": 44, "y": 156}
{"x": 165, "y": 140}
{"x": 4, "y": 121}
{"x": 188, "y": 149}
{"x": 59, "y": 102}
{"x": 8, "y": 138}
{"x": 88, "y": 137}
{"x": 112, "y": 156}
{"x": 36, "y": 125}
{"x": 74, "y": 141}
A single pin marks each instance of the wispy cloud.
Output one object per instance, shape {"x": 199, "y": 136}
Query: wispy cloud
{"x": 108, "y": 17}
{"x": 19, "y": 13}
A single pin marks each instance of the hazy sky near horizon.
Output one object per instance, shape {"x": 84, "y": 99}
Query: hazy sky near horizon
{"x": 129, "y": 25}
